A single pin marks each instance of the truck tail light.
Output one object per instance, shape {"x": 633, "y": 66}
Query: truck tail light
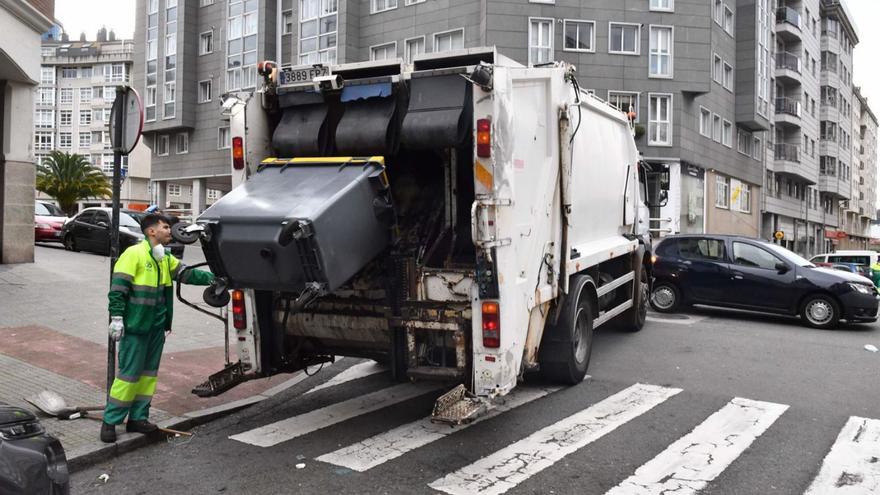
{"x": 237, "y": 153}
{"x": 484, "y": 138}
{"x": 491, "y": 324}
{"x": 239, "y": 318}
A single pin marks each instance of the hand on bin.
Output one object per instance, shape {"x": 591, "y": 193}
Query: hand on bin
{"x": 117, "y": 328}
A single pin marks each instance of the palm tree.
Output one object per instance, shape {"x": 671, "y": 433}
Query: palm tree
{"x": 69, "y": 178}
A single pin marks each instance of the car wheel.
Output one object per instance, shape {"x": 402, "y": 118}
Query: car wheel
{"x": 566, "y": 348}
{"x": 665, "y": 297}
{"x": 70, "y": 243}
{"x": 820, "y": 311}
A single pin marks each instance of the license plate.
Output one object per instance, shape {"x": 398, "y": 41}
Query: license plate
{"x": 302, "y": 75}
{"x": 56, "y": 233}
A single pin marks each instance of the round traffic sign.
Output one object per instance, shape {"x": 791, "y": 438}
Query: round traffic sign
{"x": 779, "y": 235}
{"x": 128, "y": 113}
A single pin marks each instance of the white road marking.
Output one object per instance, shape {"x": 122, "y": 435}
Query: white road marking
{"x": 691, "y": 462}
{"x": 853, "y": 464}
{"x": 506, "y": 468}
{"x": 392, "y": 444}
{"x": 355, "y": 372}
{"x": 295, "y": 426}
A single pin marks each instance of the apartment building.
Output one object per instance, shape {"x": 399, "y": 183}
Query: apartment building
{"x": 77, "y": 86}
{"x": 861, "y": 211}
{"x": 696, "y": 72}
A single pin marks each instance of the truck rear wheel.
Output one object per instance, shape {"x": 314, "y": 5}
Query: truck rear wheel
{"x": 566, "y": 347}
{"x": 633, "y": 319}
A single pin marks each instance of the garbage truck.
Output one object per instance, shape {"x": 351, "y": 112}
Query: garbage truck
{"x": 462, "y": 218}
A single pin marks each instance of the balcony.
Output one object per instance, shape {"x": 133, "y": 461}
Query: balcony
{"x": 788, "y": 68}
{"x": 788, "y": 162}
{"x": 788, "y": 24}
{"x": 788, "y": 112}
{"x": 832, "y": 185}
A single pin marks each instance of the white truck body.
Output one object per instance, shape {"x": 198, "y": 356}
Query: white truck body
{"x": 557, "y": 198}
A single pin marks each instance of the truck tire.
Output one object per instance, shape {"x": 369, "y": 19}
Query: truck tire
{"x": 566, "y": 347}
{"x": 633, "y": 319}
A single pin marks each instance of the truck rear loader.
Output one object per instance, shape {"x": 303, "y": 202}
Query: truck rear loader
{"x": 461, "y": 218}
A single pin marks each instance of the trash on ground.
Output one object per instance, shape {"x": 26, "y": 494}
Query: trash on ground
{"x": 871, "y": 347}
{"x": 301, "y": 465}
{"x": 104, "y": 478}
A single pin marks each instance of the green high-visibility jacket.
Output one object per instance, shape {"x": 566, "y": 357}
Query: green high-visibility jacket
{"x": 140, "y": 283}
{"x": 875, "y": 274}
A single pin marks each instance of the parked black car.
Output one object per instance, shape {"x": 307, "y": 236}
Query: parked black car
{"x": 745, "y": 273}
{"x": 31, "y": 461}
{"x": 89, "y": 230}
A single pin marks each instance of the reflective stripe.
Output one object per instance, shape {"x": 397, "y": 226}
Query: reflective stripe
{"x": 145, "y": 288}
{"x": 144, "y": 301}
{"x": 150, "y": 373}
{"x": 123, "y": 276}
{"x": 129, "y": 379}
{"x": 119, "y": 403}
{"x": 119, "y": 288}
{"x": 143, "y": 398}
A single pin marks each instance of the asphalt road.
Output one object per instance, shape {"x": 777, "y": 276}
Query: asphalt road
{"x": 813, "y": 380}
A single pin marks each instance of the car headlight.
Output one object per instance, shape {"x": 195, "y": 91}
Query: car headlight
{"x": 864, "y": 289}
{"x": 21, "y": 430}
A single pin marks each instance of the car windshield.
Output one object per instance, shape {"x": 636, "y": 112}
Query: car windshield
{"x": 788, "y": 255}
{"x": 126, "y": 220}
{"x": 48, "y": 210}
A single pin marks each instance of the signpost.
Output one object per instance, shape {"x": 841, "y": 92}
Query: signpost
{"x": 126, "y": 125}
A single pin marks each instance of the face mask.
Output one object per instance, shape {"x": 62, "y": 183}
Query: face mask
{"x": 158, "y": 251}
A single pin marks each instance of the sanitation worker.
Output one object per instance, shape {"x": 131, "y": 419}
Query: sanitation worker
{"x": 140, "y": 313}
{"x": 875, "y": 274}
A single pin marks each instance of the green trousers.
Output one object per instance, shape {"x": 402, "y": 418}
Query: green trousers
{"x": 135, "y": 381}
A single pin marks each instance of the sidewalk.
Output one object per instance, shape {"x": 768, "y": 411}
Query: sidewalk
{"x": 54, "y": 336}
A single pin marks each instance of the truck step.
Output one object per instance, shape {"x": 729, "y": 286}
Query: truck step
{"x": 457, "y": 407}
{"x": 221, "y": 381}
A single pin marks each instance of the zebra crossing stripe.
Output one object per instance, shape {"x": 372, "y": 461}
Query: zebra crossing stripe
{"x": 853, "y": 464}
{"x": 355, "y": 372}
{"x": 506, "y": 468}
{"x": 691, "y": 462}
{"x": 392, "y": 444}
{"x": 295, "y": 426}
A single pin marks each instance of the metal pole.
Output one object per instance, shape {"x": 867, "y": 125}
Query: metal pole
{"x": 119, "y": 123}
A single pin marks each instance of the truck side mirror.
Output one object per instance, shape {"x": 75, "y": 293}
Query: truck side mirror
{"x": 662, "y": 200}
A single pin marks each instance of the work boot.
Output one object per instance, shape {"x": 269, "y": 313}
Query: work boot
{"x": 140, "y": 426}
{"x": 108, "y": 432}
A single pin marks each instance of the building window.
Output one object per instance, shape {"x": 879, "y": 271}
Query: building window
{"x": 98, "y": 115}
{"x": 241, "y": 45}
{"x": 114, "y": 72}
{"x": 706, "y": 122}
{"x": 85, "y": 139}
{"x": 317, "y": 31}
{"x": 109, "y": 94}
{"x": 377, "y": 6}
{"x": 162, "y": 145}
{"x": 85, "y": 95}
{"x": 718, "y": 69}
{"x": 722, "y": 192}
{"x": 68, "y": 72}
{"x": 727, "y": 134}
{"x": 44, "y": 118}
{"x": 65, "y": 117}
{"x": 728, "y": 20}
{"x": 174, "y": 189}
{"x": 718, "y": 11}
{"x": 663, "y": 5}
{"x": 743, "y": 142}
{"x": 623, "y": 38}
{"x": 65, "y": 140}
{"x": 580, "y": 36}
{"x": 716, "y": 127}
{"x": 43, "y": 141}
{"x": 65, "y": 95}
{"x": 540, "y": 41}
{"x": 182, "y": 143}
{"x": 741, "y": 196}
{"x": 85, "y": 117}
{"x": 45, "y": 96}
{"x": 206, "y": 43}
{"x": 170, "y": 98}
{"x": 223, "y": 139}
{"x": 659, "y": 120}
{"x": 625, "y": 101}
{"x": 47, "y": 76}
{"x": 205, "y": 3}
{"x": 449, "y": 40}
{"x": 287, "y": 22}
{"x": 660, "y": 52}
{"x": 213, "y": 194}
{"x": 205, "y": 91}
{"x": 384, "y": 52}
{"x": 727, "y": 78}
{"x": 413, "y": 47}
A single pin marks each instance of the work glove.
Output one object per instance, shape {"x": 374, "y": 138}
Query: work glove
{"x": 117, "y": 328}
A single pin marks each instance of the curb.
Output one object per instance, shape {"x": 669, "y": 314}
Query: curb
{"x": 127, "y": 442}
